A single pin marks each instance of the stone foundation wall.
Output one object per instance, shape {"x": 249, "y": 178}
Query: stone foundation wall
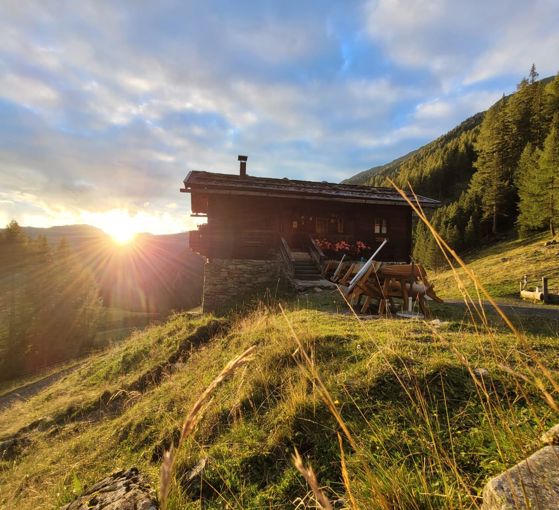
{"x": 228, "y": 281}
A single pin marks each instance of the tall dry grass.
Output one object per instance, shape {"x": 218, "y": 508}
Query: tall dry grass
{"x": 385, "y": 490}
{"x": 195, "y": 414}
{"x": 310, "y": 477}
{"x": 437, "y": 480}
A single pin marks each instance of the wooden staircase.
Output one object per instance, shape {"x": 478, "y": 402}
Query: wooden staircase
{"x": 304, "y": 267}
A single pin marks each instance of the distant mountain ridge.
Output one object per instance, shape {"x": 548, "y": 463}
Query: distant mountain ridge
{"x": 387, "y": 169}
{"x": 80, "y": 233}
{"x": 153, "y": 273}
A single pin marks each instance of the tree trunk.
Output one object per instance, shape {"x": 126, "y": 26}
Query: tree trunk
{"x": 552, "y": 209}
{"x": 494, "y": 227}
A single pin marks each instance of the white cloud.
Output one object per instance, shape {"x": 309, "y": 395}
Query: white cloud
{"x": 450, "y": 110}
{"x": 121, "y": 101}
{"x": 27, "y": 91}
{"x": 467, "y": 41}
{"x": 530, "y": 35}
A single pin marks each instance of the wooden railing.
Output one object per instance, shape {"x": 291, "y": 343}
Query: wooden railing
{"x": 316, "y": 253}
{"x": 286, "y": 256}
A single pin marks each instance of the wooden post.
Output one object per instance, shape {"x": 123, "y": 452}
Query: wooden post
{"x": 405, "y": 295}
{"x": 335, "y": 276}
{"x": 366, "y": 304}
{"x": 366, "y": 266}
{"x": 545, "y": 289}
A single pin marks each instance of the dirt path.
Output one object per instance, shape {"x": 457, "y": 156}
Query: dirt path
{"x": 518, "y": 309}
{"x": 27, "y": 391}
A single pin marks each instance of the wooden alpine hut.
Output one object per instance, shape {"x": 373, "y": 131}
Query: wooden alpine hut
{"x": 258, "y": 228}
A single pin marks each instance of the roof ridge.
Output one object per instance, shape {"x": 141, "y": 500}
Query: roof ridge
{"x": 221, "y": 181}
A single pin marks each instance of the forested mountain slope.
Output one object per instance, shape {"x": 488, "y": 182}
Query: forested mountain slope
{"x": 497, "y": 170}
{"x": 61, "y": 287}
{"x": 441, "y": 169}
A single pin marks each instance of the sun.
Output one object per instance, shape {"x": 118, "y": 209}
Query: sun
{"x": 122, "y": 236}
{"x": 120, "y": 226}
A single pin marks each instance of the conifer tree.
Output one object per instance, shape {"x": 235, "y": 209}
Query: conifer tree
{"x": 525, "y": 111}
{"x": 552, "y": 97}
{"x": 529, "y": 181}
{"x": 493, "y": 180}
{"x": 52, "y": 303}
{"x": 549, "y": 170}
{"x": 539, "y": 119}
{"x": 533, "y": 76}
{"x": 470, "y": 233}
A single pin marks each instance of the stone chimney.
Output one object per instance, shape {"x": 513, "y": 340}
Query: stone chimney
{"x": 243, "y": 167}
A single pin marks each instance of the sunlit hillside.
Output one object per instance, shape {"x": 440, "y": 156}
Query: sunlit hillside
{"x": 501, "y": 267}
{"x": 421, "y": 426}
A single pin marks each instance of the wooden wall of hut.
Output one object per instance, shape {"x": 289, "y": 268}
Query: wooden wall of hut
{"x": 250, "y": 227}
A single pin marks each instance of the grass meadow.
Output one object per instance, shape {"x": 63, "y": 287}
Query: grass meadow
{"x": 362, "y": 414}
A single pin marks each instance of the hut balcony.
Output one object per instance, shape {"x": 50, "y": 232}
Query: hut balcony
{"x": 224, "y": 243}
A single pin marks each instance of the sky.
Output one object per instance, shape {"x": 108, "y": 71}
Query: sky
{"x": 106, "y": 105}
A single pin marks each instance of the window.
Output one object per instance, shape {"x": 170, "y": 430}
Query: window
{"x": 379, "y": 226}
{"x": 321, "y": 225}
{"x": 339, "y": 224}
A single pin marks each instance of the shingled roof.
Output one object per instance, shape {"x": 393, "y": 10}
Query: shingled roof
{"x": 231, "y": 184}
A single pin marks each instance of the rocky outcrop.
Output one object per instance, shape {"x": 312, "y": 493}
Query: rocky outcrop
{"x": 531, "y": 484}
{"x": 123, "y": 490}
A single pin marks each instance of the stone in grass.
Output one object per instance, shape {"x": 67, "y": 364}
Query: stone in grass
{"x": 123, "y": 490}
{"x": 531, "y": 484}
{"x": 481, "y": 372}
{"x": 12, "y": 447}
{"x": 551, "y": 436}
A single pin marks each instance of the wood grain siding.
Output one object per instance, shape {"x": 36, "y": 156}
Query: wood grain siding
{"x": 247, "y": 216}
{"x": 250, "y": 227}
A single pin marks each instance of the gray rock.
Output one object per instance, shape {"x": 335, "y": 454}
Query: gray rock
{"x": 12, "y": 447}
{"x": 531, "y": 484}
{"x": 481, "y": 372}
{"x": 551, "y": 436}
{"x": 123, "y": 490}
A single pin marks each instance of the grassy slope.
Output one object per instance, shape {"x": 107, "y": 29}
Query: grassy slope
{"x": 501, "y": 267}
{"x": 115, "y": 325}
{"x": 428, "y": 436}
